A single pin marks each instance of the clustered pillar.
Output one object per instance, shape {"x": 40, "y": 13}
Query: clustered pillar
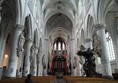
{"x": 39, "y": 63}
{"x": 45, "y": 65}
{"x": 72, "y": 54}
{"x": 12, "y": 65}
{"x": 27, "y": 57}
{"x": 106, "y": 67}
{"x": 34, "y": 72}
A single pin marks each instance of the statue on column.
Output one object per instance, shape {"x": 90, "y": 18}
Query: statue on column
{"x": 32, "y": 53}
{"x": 21, "y": 44}
{"x": 38, "y": 56}
{"x": 89, "y": 65}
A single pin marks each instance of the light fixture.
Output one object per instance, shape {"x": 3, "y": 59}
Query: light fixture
{"x": 6, "y": 56}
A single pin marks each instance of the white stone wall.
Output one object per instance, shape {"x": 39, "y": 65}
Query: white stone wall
{"x": 113, "y": 66}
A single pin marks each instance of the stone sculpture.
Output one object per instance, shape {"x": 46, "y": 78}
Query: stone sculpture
{"x": 21, "y": 44}
{"x": 32, "y": 53}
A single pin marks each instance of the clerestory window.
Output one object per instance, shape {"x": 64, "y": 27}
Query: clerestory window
{"x": 110, "y": 47}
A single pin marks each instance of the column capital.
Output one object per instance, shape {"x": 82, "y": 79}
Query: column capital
{"x": 19, "y": 27}
{"x": 100, "y": 26}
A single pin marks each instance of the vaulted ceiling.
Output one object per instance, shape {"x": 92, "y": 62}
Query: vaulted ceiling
{"x": 59, "y": 16}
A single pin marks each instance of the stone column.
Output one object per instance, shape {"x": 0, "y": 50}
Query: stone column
{"x": 115, "y": 43}
{"x": 106, "y": 67}
{"x": 34, "y": 72}
{"x": 27, "y": 57}
{"x": 88, "y": 42}
{"x": 39, "y": 62}
{"x": 72, "y": 54}
{"x": 46, "y": 57}
{"x": 2, "y": 38}
{"x": 2, "y": 47}
{"x": 13, "y": 58}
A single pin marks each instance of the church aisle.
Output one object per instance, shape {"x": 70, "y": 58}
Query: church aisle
{"x": 59, "y": 80}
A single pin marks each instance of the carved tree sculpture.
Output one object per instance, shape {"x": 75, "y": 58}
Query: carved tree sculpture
{"x": 89, "y": 65}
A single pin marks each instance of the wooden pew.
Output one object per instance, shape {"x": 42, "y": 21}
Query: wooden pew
{"x": 40, "y": 79}
{"x": 87, "y": 80}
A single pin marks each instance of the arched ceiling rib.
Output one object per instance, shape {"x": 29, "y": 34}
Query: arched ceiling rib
{"x": 55, "y": 22}
{"x": 59, "y": 4}
{"x": 59, "y": 20}
{"x": 59, "y": 13}
{"x": 52, "y": 7}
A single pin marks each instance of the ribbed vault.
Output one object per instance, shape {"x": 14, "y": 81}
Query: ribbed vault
{"x": 59, "y": 25}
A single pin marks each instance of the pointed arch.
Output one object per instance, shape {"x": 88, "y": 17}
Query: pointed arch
{"x": 40, "y": 44}
{"x": 82, "y": 37}
{"x": 36, "y": 43}
{"x": 90, "y": 25}
{"x": 28, "y": 27}
{"x": 10, "y": 12}
{"x": 18, "y": 11}
{"x": 78, "y": 43}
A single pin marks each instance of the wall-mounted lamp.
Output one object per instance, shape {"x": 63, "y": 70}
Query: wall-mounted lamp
{"x": 6, "y": 56}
